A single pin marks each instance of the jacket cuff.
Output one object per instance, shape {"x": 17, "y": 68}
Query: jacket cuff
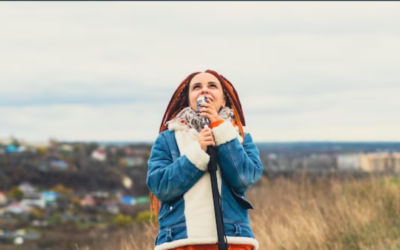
{"x": 197, "y": 156}
{"x": 224, "y": 133}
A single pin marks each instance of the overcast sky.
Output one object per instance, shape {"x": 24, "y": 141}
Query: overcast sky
{"x": 304, "y": 71}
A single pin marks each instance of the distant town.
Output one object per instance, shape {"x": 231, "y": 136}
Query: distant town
{"x": 331, "y": 156}
{"x": 50, "y": 192}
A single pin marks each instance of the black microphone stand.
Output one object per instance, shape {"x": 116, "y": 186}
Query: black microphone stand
{"x": 212, "y": 168}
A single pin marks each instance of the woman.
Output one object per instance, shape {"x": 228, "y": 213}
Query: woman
{"x": 180, "y": 185}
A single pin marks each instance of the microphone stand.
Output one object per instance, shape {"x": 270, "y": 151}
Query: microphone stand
{"x": 212, "y": 169}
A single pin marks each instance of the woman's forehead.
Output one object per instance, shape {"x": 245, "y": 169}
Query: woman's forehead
{"x": 204, "y": 78}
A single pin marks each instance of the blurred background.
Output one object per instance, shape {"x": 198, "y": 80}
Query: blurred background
{"x": 84, "y": 86}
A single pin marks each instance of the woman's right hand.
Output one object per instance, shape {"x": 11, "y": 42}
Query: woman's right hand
{"x": 206, "y": 138}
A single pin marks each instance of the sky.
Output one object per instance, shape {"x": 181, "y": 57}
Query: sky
{"x": 105, "y": 71}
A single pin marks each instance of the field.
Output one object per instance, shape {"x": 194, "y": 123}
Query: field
{"x": 307, "y": 213}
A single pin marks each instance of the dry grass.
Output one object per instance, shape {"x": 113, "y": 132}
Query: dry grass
{"x": 326, "y": 214}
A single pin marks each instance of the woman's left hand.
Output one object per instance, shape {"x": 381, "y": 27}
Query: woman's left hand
{"x": 209, "y": 111}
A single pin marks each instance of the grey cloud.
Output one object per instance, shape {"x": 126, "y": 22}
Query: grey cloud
{"x": 291, "y": 62}
{"x": 110, "y": 95}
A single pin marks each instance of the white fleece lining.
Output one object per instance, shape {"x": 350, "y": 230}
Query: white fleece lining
{"x": 185, "y": 242}
{"x": 197, "y": 156}
{"x": 224, "y": 133}
{"x": 189, "y": 146}
{"x": 199, "y": 206}
{"x": 199, "y": 210}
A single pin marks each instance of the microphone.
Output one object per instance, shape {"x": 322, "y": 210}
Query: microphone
{"x": 200, "y": 100}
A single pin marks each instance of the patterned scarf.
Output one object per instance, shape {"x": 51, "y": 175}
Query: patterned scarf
{"x": 189, "y": 116}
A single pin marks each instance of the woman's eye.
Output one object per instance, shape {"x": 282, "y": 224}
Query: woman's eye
{"x": 212, "y": 85}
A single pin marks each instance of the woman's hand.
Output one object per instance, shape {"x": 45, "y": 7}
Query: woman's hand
{"x": 209, "y": 111}
{"x": 206, "y": 138}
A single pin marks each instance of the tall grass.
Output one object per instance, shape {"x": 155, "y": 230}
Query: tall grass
{"x": 303, "y": 214}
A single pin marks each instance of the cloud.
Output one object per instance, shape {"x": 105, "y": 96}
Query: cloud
{"x": 78, "y": 122}
{"x": 303, "y": 70}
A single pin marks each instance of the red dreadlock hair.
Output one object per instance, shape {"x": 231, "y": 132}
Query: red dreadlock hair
{"x": 180, "y": 101}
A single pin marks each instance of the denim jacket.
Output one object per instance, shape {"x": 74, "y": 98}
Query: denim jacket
{"x": 177, "y": 176}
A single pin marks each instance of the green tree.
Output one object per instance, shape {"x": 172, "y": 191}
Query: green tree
{"x": 122, "y": 220}
{"x": 143, "y": 216}
{"x": 60, "y": 188}
{"x": 16, "y": 193}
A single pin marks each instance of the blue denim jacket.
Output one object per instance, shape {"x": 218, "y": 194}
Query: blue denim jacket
{"x": 172, "y": 175}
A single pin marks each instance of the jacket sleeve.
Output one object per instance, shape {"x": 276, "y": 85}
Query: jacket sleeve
{"x": 167, "y": 179}
{"x": 240, "y": 164}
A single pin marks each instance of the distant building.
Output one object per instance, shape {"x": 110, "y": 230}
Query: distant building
{"x": 128, "y": 200}
{"x": 11, "y": 149}
{"x": 34, "y": 200}
{"x": 22, "y": 149}
{"x": 27, "y": 188}
{"x": 3, "y": 198}
{"x": 100, "y": 194}
{"x": 49, "y": 196}
{"x": 378, "y": 162}
{"x": 111, "y": 206}
{"x": 40, "y": 223}
{"x": 133, "y": 161}
{"x": 58, "y": 164}
{"x": 134, "y": 157}
{"x": 53, "y": 163}
{"x": 142, "y": 199}
{"x": 99, "y": 154}
{"x": 370, "y": 162}
{"x": 88, "y": 201}
{"x": 349, "y": 162}
{"x": 17, "y": 208}
{"x": 318, "y": 161}
{"x": 66, "y": 148}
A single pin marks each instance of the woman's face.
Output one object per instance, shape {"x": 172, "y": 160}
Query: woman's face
{"x": 206, "y": 84}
